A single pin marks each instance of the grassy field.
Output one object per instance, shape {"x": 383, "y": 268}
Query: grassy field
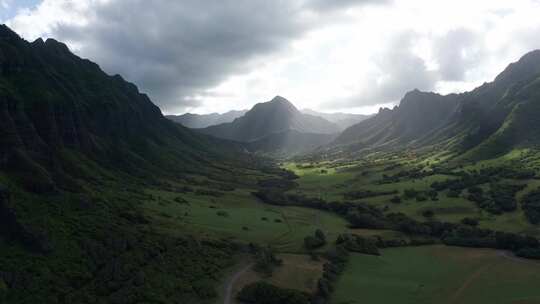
{"x": 438, "y": 274}
{"x": 330, "y": 181}
{"x": 239, "y": 216}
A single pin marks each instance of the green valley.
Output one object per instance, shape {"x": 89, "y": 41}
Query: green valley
{"x": 104, "y": 199}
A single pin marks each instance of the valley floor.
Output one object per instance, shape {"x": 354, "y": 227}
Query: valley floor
{"x": 439, "y": 274}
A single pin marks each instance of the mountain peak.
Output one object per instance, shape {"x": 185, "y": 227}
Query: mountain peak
{"x": 527, "y": 66}
{"x": 277, "y": 103}
{"x": 416, "y": 96}
{"x": 280, "y": 99}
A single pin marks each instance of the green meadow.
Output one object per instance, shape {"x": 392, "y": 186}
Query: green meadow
{"x": 438, "y": 274}
{"x": 239, "y": 216}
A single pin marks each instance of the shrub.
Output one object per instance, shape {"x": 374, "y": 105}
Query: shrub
{"x": 311, "y": 242}
{"x": 428, "y": 213}
{"x": 358, "y": 244}
{"x": 531, "y": 206}
{"x": 266, "y": 261}
{"x": 264, "y": 293}
{"x": 396, "y": 200}
{"x": 529, "y": 253}
{"x": 222, "y": 213}
{"x": 469, "y": 221}
{"x": 453, "y": 193}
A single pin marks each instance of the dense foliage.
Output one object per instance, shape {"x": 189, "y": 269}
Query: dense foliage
{"x": 315, "y": 241}
{"x": 531, "y": 206}
{"x": 264, "y": 293}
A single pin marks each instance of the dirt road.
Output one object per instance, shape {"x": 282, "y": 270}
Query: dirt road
{"x": 227, "y": 299}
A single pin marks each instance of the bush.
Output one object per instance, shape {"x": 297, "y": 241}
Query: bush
{"x": 396, "y": 200}
{"x": 428, "y": 213}
{"x": 410, "y": 193}
{"x": 358, "y": 244}
{"x": 320, "y": 235}
{"x": 316, "y": 241}
{"x": 266, "y": 261}
{"x": 181, "y": 200}
{"x": 531, "y": 206}
{"x": 453, "y": 193}
{"x": 356, "y": 195}
{"x": 529, "y": 253}
{"x": 222, "y": 213}
{"x": 264, "y": 293}
{"x": 469, "y": 221}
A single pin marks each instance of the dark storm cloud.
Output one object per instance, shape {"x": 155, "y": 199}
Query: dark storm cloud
{"x": 175, "y": 50}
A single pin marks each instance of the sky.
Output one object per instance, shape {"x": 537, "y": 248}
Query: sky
{"x": 327, "y": 55}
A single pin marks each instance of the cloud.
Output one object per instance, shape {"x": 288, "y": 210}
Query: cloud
{"x": 458, "y": 51}
{"x": 326, "y": 5}
{"x": 396, "y": 70}
{"x": 213, "y": 55}
{"x": 174, "y": 50}
{"x": 177, "y": 49}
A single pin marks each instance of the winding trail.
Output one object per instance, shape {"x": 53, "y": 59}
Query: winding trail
{"x": 227, "y": 299}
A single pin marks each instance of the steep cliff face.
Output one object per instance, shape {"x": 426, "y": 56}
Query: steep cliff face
{"x": 53, "y": 102}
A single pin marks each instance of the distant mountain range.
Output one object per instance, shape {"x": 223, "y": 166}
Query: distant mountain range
{"x": 276, "y": 118}
{"x": 343, "y": 120}
{"x": 485, "y": 122}
{"x": 197, "y": 121}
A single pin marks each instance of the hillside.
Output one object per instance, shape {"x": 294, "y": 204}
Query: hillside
{"x": 82, "y": 155}
{"x": 197, "y": 121}
{"x": 275, "y": 116}
{"x": 492, "y": 119}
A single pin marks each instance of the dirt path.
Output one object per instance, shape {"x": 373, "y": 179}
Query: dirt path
{"x": 227, "y": 298}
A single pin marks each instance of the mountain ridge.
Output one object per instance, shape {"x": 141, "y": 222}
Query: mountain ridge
{"x": 275, "y": 116}
{"x": 462, "y": 122}
{"x": 198, "y": 121}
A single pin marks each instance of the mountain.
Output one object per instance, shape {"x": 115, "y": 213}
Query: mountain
{"x": 343, "y": 120}
{"x": 488, "y": 121}
{"x": 83, "y": 158}
{"x": 411, "y": 121}
{"x": 197, "y": 121}
{"x": 275, "y": 116}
